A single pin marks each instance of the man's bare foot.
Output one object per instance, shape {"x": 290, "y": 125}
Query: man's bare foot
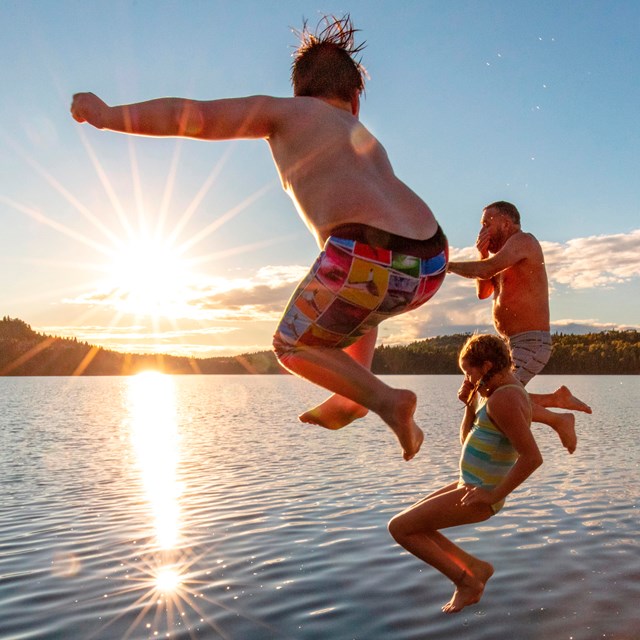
{"x": 398, "y": 414}
{"x": 468, "y": 591}
{"x": 334, "y": 413}
{"x": 481, "y": 570}
{"x": 565, "y": 427}
{"x": 564, "y": 399}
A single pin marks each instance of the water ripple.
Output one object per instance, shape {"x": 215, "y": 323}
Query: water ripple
{"x": 202, "y": 509}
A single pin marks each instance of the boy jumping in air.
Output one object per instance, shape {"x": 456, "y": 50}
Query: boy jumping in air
{"x": 382, "y": 250}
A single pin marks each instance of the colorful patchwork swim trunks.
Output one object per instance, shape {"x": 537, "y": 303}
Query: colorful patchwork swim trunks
{"x": 353, "y": 286}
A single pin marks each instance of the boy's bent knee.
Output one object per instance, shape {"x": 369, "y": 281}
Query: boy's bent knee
{"x": 283, "y": 349}
{"x": 280, "y": 347}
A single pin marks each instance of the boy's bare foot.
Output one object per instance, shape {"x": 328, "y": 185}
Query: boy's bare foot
{"x": 334, "y": 413}
{"x": 398, "y": 414}
{"x": 470, "y": 588}
{"x": 564, "y": 399}
{"x": 565, "y": 427}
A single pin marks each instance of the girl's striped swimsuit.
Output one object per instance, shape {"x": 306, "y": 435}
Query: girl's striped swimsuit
{"x": 487, "y": 454}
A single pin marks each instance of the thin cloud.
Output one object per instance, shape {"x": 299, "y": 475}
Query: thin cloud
{"x": 589, "y": 325}
{"x": 238, "y": 314}
{"x": 258, "y": 297}
{"x": 595, "y": 261}
{"x": 581, "y": 263}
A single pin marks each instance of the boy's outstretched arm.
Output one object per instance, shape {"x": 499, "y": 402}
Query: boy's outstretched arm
{"x": 252, "y": 117}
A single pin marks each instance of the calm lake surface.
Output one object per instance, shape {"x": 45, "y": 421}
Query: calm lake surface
{"x": 198, "y": 507}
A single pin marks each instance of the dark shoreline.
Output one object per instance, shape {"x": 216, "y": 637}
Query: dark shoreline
{"x": 24, "y": 352}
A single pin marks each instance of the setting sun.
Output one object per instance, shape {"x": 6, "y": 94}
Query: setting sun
{"x": 150, "y": 276}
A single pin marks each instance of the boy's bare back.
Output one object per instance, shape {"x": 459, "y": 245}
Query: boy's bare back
{"x": 337, "y": 172}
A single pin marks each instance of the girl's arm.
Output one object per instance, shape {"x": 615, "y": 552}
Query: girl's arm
{"x": 469, "y": 410}
{"x": 510, "y": 411}
{"x": 467, "y": 423}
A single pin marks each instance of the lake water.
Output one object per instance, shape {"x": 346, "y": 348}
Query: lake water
{"x": 198, "y": 507}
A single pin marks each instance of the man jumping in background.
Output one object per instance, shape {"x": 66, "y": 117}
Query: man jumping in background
{"x": 511, "y": 268}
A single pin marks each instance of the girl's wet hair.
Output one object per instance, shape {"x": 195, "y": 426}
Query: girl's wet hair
{"x": 326, "y": 63}
{"x": 481, "y": 348}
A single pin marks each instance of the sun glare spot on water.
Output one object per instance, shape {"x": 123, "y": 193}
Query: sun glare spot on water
{"x": 167, "y": 580}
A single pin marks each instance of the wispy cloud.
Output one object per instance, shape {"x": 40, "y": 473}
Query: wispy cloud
{"x": 595, "y": 261}
{"x": 239, "y": 314}
{"x": 260, "y": 296}
{"x": 580, "y": 263}
{"x": 584, "y": 263}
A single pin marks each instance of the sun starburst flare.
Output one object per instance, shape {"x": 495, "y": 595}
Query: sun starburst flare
{"x": 138, "y": 266}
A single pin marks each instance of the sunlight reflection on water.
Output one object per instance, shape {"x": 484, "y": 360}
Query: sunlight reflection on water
{"x": 165, "y": 587}
{"x": 154, "y": 434}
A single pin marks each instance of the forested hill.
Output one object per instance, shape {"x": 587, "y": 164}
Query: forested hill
{"x": 608, "y": 352}
{"x": 24, "y": 352}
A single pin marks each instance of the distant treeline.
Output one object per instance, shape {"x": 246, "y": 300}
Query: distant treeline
{"x": 608, "y": 352}
{"x": 24, "y": 352}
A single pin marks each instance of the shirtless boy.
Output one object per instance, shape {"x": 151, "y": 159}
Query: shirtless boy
{"x": 372, "y": 228}
{"x": 511, "y": 268}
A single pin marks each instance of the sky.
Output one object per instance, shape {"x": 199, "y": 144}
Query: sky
{"x": 191, "y": 247}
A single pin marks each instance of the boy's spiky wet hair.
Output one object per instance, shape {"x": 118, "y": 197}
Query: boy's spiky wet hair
{"x": 326, "y": 63}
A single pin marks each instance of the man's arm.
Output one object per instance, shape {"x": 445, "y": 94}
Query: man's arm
{"x": 515, "y": 249}
{"x": 484, "y": 288}
{"x": 252, "y": 117}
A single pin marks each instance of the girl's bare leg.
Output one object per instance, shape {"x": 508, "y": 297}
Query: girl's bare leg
{"x": 417, "y": 530}
{"x": 337, "y": 411}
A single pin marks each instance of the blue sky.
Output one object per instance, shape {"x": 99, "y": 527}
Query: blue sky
{"x": 531, "y": 102}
